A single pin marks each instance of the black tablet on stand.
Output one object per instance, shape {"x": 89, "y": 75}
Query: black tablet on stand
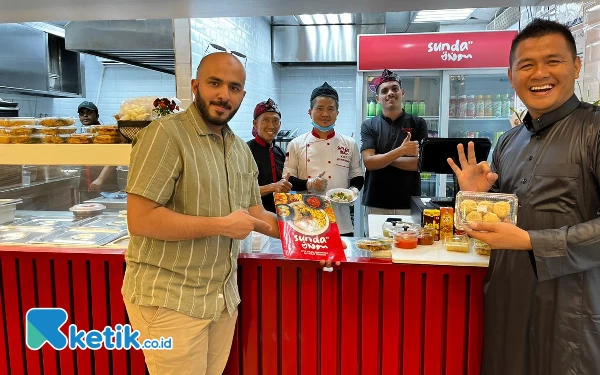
{"x": 433, "y": 156}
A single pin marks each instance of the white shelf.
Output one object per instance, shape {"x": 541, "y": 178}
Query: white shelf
{"x": 64, "y": 154}
{"x": 479, "y": 119}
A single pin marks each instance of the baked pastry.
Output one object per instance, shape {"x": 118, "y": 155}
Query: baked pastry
{"x": 80, "y": 138}
{"x": 474, "y": 217}
{"x": 491, "y": 217}
{"x": 107, "y": 139}
{"x": 459, "y": 247}
{"x": 374, "y": 244}
{"x": 107, "y": 130}
{"x": 468, "y": 205}
{"x": 56, "y": 139}
{"x": 502, "y": 209}
{"x": 56, "y": 121}
{"x": 482, "y": 248}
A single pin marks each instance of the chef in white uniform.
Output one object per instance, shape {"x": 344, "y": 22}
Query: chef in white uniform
{"x": 323, "y": 159}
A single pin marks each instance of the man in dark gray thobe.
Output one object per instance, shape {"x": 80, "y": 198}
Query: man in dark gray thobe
{"x": 542, "y": 290}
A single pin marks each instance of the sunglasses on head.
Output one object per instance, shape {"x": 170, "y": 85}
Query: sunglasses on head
{"x": 224, "y": 49}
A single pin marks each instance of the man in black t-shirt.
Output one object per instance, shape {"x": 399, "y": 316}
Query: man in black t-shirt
{"x": 389, "y": 147}
{"x": 269, "y": 157}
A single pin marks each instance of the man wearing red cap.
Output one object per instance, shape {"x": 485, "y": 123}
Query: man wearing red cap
{"x": 389, "y": 146}
{"x": 269, "y": 157}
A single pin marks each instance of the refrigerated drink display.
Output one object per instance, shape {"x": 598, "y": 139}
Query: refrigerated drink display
{"x": 506, "y": 106}
{"x": 479, "y": 106}
{"x": 470, "y": 106}
{"x": 421, "y": 107}
{"x": 488, "y": 109}
{"x": 497, "y": 106}
{"x": 452, "y": 109}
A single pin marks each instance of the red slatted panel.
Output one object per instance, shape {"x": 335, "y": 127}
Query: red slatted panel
{"x": 269, "y": 320}
{"x": 370, "y": 321}
{"x": 63, "y": 300}
{"x": 475, "y": 322}
{"x": 328, "y": 316}
{"x": 308, "y": 320}
{"x": 14, "y": 330}
{"x": 434, "y": 323}
{"x": 455, "y": 339}
{"x": 349, "y": 337}
{"x": 249, "y": 319}
{"x": 289, "y": 319}
{"x": 27, "y": 292}
{"x": 98, "y": 305}
{"x": 4, "y": 358}
{"x": 82, "y": 321}
{"x": 117, "y": 312}
{"x": 391, "y": 322}
{"x": 44, "y": 285}
{"x": 413, "y": 317}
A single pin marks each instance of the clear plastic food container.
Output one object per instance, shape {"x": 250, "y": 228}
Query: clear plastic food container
{"x": 16, "y": 121}
{"x": 83, "y": 138}
{"x": 105, "y": 130}
{"x": 479, "y": 247}
{"x": 49, "y": 130}
{"x": 107, "y": 139}
{"x": 56, "y": 121}
{"x": 407, "y": 238}
{"x": 374, "y": 243}
{"x": 426, "y": 236}
{"x": 6, "y": 138}
{"x": 484, "y": 207}
{"x": 459, "y": 243}
{"x": 55, "y": 139}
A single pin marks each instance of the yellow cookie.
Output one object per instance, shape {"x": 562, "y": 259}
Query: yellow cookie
{"x": 474, "y": 217}
{"x": 491, "y": 217}
{"x": 467, "y": 206}
{"x": 502, "y": 209}
{"x": 489, "y": 205}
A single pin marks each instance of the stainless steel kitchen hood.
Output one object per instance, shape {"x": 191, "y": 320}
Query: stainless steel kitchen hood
{"x": 321, "y": 44}
{"x": 144, "y": 43}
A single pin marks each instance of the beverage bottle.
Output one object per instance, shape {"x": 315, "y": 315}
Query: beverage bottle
{"x": 479, "y": 106}
{"x": 371, "y": 109}
{"x": 470, "y": 106}
{"x": 506, "y": 106}
{"x": 488, "y": 110}
{"x": 408, "y": 107}
{"x": 421, "y": 107}
{"x": 452, "y": 111}
{"x": 497, "y": 106}
{"x": 461, "y": 106}
{"x": 378, "y": 109}
{"x": 415, "y": 108}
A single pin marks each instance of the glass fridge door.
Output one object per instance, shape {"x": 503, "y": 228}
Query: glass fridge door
{"x": 480, "y": 107}
{"x": 422, "y": 93}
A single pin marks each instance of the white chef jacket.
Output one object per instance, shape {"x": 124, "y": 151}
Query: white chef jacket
{"x": 307, "y": 155}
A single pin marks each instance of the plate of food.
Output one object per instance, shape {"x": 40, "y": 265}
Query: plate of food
{"x": 308, "y": 220}
{"x": 341, "y": 196}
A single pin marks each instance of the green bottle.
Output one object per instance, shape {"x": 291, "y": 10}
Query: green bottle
{"x": 371, "y": 109}
{"x": 421, "y": 107}
{"x": 415, "y": 108}
{"x": 408, "y": 107}
{"x": 378, "y": 109}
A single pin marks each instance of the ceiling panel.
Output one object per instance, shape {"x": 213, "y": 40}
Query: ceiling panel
{"x": 58, "y": 10}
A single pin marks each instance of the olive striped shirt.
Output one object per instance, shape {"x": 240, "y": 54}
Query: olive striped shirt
{"x": 178, "y": 162}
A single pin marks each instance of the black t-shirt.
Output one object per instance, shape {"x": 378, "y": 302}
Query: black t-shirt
{"x": 390, "y": 187}
{"x": 262, "y": 155}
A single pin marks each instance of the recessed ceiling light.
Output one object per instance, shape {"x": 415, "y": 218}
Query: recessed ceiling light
{"x": 333, "y": 19}
{"x": 306, "y": 19}
{"x": 319, "y": 19}
{"x": 443, "y": 15}
{"x": 346, "y": 18}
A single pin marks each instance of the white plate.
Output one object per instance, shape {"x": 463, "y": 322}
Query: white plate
{"x": 346, "y": 191}
{"x": 303, "y": 229}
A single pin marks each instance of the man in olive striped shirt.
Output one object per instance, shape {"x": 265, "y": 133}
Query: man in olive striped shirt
{"x": 193, "y": 195}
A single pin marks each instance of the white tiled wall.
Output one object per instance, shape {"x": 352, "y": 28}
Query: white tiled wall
{"x": 252, "y": 37}
{"x": 297, "y": 84}
{"x": 115, "y": 85}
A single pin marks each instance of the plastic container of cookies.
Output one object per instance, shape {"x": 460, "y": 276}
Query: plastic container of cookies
{"x": 374, "y": 243}
{"x": 80, "y": 139}
{"x": 111, "y": 130}
{"x": 16, "y": 121}
{"x": 479, "y": 247}
{"x": 54, "y": 138}
{"x": 484, "y": 207}
{"x": 56, "y": 121}
{"x": 55, "y": 130}
{"x": 107, "y": 139}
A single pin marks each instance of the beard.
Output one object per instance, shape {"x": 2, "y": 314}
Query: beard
{"x": 202, "y": 106}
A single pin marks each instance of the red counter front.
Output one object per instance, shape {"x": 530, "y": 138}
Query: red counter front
{"x": 367, "y": 317}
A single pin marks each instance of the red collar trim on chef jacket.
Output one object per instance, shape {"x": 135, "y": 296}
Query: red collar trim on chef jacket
{"x": 329, "y": 136}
